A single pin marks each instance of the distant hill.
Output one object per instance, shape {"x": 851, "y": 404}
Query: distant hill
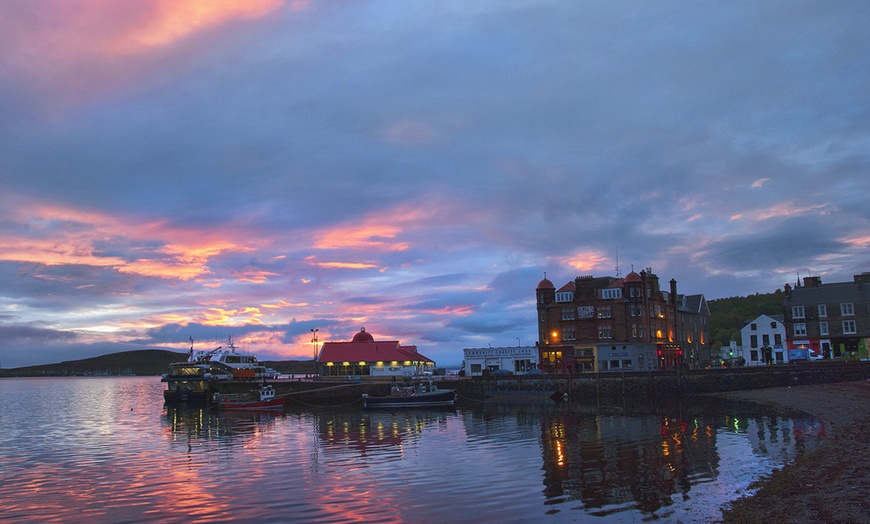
{"x": 140, "y": 362}
{"x": 729, "y": 315}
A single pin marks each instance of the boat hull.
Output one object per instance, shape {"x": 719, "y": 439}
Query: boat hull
{"x": 185, "y": 397}
{"x": 442, "y": 398}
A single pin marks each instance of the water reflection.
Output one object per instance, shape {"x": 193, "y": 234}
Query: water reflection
{"x": 193, "y": 426}
{"x": 375, "y": 431}
{"x": 118, "y": 454}
{"x": 607, "y": 464}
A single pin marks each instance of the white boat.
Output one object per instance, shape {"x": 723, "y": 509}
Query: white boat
{"x": 190, "y": 381}
{"x": 237, "y": 365}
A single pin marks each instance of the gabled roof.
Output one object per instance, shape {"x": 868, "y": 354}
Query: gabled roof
{"x": 616, "y": 283}
{"x": 567, "y": 287}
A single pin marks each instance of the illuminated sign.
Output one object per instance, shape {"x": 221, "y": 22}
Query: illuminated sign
{"x": 585, "y": 311}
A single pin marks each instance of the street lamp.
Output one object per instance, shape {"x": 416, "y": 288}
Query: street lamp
{"x": 314, "y": 342}
{"x": 518, "y": 342}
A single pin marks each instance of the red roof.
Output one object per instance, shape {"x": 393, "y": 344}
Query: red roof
{"x": 361, "y": 351}
{"x": 567, "y": 287}
{"x": 632, "y": 277}
{"x": 545, "y": 284}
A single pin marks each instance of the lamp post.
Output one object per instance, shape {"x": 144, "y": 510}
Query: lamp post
{"x": 314, "y": 342}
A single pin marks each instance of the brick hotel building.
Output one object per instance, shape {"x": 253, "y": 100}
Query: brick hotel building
{"x": 594, "y": 324}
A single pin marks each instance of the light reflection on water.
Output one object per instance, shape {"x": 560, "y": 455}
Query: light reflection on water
{"x": 107, "y": 450}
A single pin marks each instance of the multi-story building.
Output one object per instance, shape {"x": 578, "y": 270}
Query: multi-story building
{"x": 611, "y": 323}
{"x": 763, "y": 341}
{"x": 830, "y": 319}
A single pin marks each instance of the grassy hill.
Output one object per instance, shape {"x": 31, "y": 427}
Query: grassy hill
{"x": 729, "y": 315}
{"x": 139, "y": 362}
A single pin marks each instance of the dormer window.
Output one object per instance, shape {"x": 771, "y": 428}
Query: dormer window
{"x": 611, "y": 293}
{"x": 564, "y": 296}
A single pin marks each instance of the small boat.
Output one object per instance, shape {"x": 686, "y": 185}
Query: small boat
{"x": 418, "y": 396}
{"x": 263, "y": 398}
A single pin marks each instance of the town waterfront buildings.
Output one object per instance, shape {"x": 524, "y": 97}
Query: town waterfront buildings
{"x": 594, "y": 324}
{"x": 830, "y": 319}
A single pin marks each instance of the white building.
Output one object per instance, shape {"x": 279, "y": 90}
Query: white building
{"x": 518, "y": 360}
{"x": 763, "y": 341}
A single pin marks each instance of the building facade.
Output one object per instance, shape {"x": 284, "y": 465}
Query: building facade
{"x": 519, "y": 360}
{"x": 764, "y": 341}
{"x": 364, "y": 356}
{"x": 594, "y": 324}
{"x": 832, "y": 320}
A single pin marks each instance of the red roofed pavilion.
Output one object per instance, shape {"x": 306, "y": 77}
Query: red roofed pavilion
{"x": 364, "y": 356}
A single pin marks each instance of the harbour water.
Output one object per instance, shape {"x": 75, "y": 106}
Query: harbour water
{"x": 106, "y": 449}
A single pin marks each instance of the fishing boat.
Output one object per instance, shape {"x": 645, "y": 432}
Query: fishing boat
{"x": 421, "y": 395}
{"x": 262, "y": 398}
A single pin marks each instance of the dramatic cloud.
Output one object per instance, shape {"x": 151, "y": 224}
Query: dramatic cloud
{"x": 192, "y": 168}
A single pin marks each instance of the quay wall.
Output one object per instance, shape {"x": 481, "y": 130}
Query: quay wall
{"x": 654, "y": 384}
{"x": 319, "y": 392}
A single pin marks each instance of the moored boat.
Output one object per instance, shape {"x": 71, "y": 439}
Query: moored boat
{"x": 190, "y": 381}
{"x": 417, "y": 396}
{"x": 262, "y": 398}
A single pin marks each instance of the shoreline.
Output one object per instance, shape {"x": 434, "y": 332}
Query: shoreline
{"x": 828, "y": 484}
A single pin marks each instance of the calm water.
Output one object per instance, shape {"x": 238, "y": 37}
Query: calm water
{"x": 108, "y": 450}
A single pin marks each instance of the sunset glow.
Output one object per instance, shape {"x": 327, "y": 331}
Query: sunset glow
{"x": 177, "y": 169}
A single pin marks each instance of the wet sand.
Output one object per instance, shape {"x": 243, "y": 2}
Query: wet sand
{"x": 830, "y": 484}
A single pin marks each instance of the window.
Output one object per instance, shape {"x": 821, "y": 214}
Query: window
{"x": 605, "y": 332}
{"x": 849, "y": 327}
{"x": 612, "y": 293}
{"x": 797, "y": 312}
{"x": 636, "y": 310}
{"x": 564, "y": 296}
{"x": 568, "y": 333}
{"x": 568, "y": 313}
{"x": 847, "y": 310}
{"x": 614, "y": 364}
{"x": 823, "y": 310}
{"x": 800, "y": 329}
{"x": 603, "y": 311}
{"x": 753, "y": 327}
{"x": 765, "y": 340}
{"x": 753, "y": 355}
{"x": 753, "y": 341}
{"x": 626, "y": 363}
{"x": 823, "y": 328}
{"x": 637, "y": 330}
{"x": 475, "y": 368}
{"x": 777, "y": 339}
{"x": 773, "y": 325}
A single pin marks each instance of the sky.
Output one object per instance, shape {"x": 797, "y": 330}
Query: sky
{"x": 257, "y": 169}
